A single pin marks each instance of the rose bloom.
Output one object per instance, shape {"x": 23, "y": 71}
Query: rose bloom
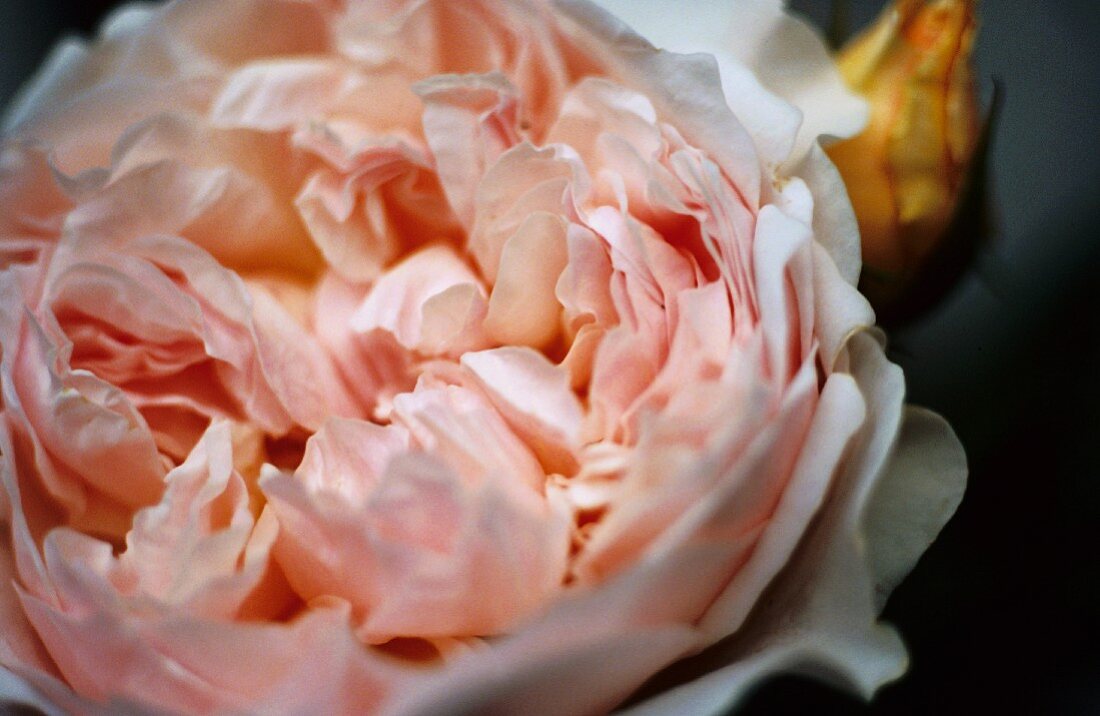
{"x": 908, "y": 170}
{"x": 442, "y": 357}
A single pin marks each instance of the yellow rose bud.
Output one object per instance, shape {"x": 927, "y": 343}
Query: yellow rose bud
{"x": 905, "y": 171}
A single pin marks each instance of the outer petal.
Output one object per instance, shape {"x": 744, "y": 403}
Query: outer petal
{"x": 819, "y": 615}
{"x": 834, "y": 219}
{"x": 918, "y": 493}
{"x": 527, "y": 674}
{"x": 759, "y": 39}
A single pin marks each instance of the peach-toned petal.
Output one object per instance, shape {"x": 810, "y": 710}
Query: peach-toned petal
{"x": 348, "y": 458}
{"x": 376, "y": 198}
{"x": 524, "y": 180}
{"x": 535, "y": 397}
{"x": 295, "y": 365}
{"x": 19, "y": 645}
{"x": 523, "y": 307}
{"x": 654, "y": 271}
{"x": 416, "y": 546}
{"x": 596, "y": 107}
{"x": 625, "y": 364}
{"x": 323, "y": 545}
{"x": 374, "y": 366}
{"x": 171, "y": 175}
{"x": 699, "y": 350}
{"x": 454, "y": 321}
{"x": 461, "y": 427}
{"x": 402, "y": 300}
{"x": 726, "y": 224}
{"x": 469, "y": 121}
{"x": 193, "y": 540}
{"x": 481, "y": 37}
{"x": 196, "y": 552}
{"x": 32, "y": 203}
{"x": 316, "y": 664}
{"x": 464, "y": 583}
{"x": 784, "y": 280}
{"x": 680, "y": 496}
{"x": 685, "y": 89}
{"x": 616, "y": 131}
{"x": 839, "y": 414}
{"x": 190, "y": 665}
{"x": 649, "y": 274}
{"x": 229, "y": 330}
{"x": 588, "y": 310}
{"x": 584, "y": 287}
{"x": 527, "y": 674}
{"x": 151, "y": 61}
{"x": 279, "y": 94}
{"x": 84, "y": 427}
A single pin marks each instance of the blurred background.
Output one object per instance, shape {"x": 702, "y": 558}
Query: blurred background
{"x": 1003, "y": 613}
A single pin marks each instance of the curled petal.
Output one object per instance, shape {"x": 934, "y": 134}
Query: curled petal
{"x": 413, "y": 304}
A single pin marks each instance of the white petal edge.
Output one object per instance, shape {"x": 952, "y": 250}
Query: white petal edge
{"x": 47, "y": 85}
{"x": 791, "y": 60}
{"x": 918, "y": 494}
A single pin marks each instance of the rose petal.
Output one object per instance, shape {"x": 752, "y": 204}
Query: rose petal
{"x": 469, "y": 121}
{"x": 684, "y": 87}
{"x": 535, "y": 397}
{"x": 523, "y": 181}
{"x": 822, "y": 610}
{"x": 399, "y": 301}
{"x": 523, "y": 308}
{"x": 920, "y": 490}
{"x": 279, "y": 94}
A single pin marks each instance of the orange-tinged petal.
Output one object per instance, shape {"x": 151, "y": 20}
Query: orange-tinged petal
{"x": 905, "y": 171}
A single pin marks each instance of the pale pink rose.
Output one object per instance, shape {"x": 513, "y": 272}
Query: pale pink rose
{"x": 417, "y": 357}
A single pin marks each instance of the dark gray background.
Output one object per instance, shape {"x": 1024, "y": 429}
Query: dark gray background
{"x": 1002, "y": 613}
